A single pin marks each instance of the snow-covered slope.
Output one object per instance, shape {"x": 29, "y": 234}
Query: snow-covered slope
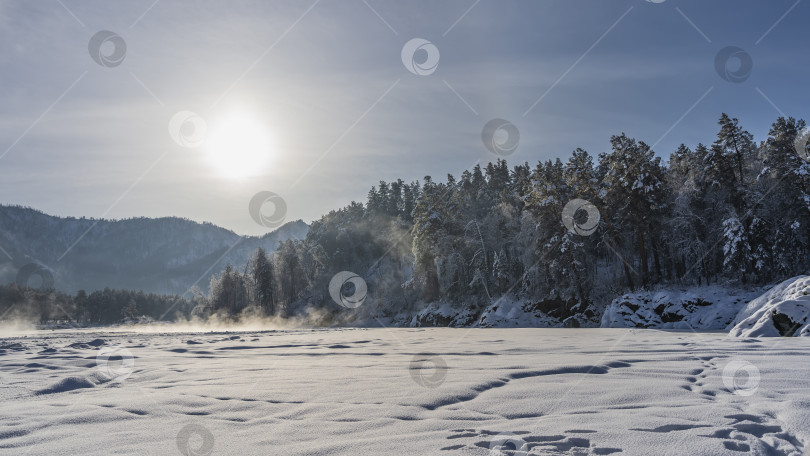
{"x": 699, "y": 308}
{"x": 437, "y": 391}
{"x": 782, "y": 311}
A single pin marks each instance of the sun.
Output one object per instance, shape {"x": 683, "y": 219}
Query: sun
{"x": 239, "y": 145}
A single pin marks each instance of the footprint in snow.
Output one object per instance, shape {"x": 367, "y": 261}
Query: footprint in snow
{"x": 520, "y": 443}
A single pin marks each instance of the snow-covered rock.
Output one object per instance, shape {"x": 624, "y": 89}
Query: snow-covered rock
{"x": 700, "y": 308}
{"x": 443, "y": 314}
{"x": 511, "y": 313}
{"x": 781, "y": 311}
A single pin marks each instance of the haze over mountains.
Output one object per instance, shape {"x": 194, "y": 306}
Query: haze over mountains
{"x": 163, "y": 255}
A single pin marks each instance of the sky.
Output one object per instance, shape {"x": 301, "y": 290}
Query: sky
{"x": 180, "y": 108}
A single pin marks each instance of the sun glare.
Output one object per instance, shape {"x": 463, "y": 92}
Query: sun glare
{"x": 239, "y": 146}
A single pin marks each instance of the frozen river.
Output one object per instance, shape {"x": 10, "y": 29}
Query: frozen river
{"x": 403, "y": 391}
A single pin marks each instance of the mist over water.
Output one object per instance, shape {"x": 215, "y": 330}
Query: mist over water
{"x": 246, "y": 322}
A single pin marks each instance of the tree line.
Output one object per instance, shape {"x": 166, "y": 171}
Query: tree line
{"x": 732, "y": 211}
{"x": 99, "y": 307}
{"x": 573, "y": 233}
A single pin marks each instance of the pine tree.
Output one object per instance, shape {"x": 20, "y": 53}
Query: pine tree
{"x": 736, "y": 145}
{"x": 130, "y": 312}
{"x": 429, "y": 219}
{"x": 635, "y": 195}
{"x": 262, "y": 274}
{"x": 373, "y": 204}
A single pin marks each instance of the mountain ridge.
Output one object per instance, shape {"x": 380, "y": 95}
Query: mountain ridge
{"x": 159, "y": 255}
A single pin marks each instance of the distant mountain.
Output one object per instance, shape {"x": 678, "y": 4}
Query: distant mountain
{"x": 163, "y": 255}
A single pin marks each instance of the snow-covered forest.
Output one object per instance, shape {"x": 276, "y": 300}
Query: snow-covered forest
{"x": 565, "y": 235}
{"x": 559, "y": 239}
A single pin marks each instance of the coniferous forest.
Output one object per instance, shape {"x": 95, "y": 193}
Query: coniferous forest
{"x": 564, "y": 237}
{"x": 562, "y": 234}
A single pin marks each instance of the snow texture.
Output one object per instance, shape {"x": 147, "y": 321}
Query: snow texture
{"x": 436, "y": 391}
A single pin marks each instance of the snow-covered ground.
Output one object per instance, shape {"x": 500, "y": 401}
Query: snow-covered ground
{"x": 404, "y": 391}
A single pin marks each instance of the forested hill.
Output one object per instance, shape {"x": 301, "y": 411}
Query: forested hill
{"x": 560, "y": 238}
{"x": 164, "y": 255}
{"x": 552, "y": 241}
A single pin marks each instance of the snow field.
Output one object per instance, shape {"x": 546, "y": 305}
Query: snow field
{"x": 404, "y": 391}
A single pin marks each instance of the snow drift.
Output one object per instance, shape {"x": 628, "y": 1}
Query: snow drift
{"x": 782, "y": 311}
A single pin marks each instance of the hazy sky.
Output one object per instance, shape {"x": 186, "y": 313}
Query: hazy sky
{"x": 318, "y": 93}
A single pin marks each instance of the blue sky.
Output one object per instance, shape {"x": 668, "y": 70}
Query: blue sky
{"x": 326, "y": 82}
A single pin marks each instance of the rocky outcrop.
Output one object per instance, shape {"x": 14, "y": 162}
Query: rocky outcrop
{"x": 783, "y": 311}
{"x": 698, "y": 308}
